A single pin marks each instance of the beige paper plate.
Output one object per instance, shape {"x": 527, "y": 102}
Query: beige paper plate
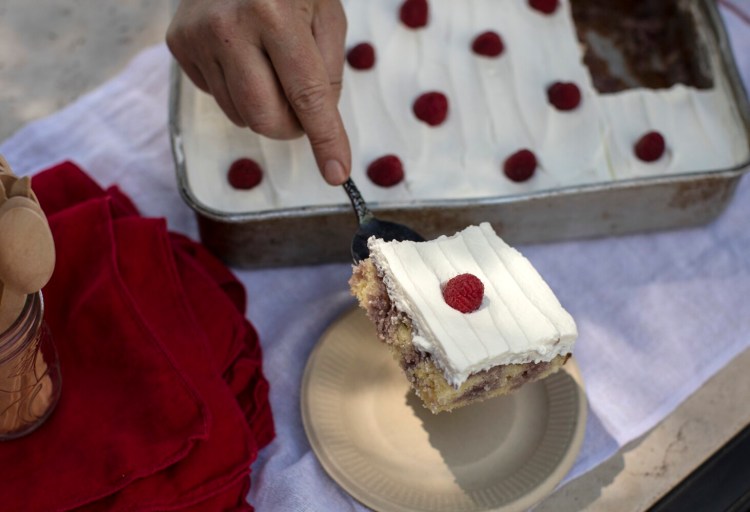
{"x": 374, "y": 438}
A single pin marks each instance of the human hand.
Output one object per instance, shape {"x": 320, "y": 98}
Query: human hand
{"x": 274, "y": 66}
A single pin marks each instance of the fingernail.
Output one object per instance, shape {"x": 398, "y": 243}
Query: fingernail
{"x": 334, "y": 172}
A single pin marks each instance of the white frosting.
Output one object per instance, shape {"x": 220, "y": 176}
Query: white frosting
{"x": 497, "y": 106}
{"x": 520, "y": 319}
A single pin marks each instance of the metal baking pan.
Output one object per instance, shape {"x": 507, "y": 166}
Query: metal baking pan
{"x": 322, "y": 234}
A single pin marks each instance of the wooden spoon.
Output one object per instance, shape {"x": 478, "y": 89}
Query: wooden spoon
{"x": 4, "y": 166}
{"x": 27, "y": 255}
{"x": 7, "y": 181}
{"x": 21, "y": 187}
{"x": 27, "y": 250}
{"x": 21, "y": 202}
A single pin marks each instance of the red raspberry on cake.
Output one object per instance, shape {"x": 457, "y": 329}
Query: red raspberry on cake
{"x": 520, "y": 166}
{"x": 361, "y": 56}
{"x": 488, "y": 44}
{"x": 464, "y": 293}
{"x": 244, "y": 174}
{"x": 431, "y": 108}
{"x": 386, "y": 171}
{"x": 650, "y": 147}
{"x": 544, "y": 6}
{"x": 564, "y": 95}
{"x": 414, "y": 13}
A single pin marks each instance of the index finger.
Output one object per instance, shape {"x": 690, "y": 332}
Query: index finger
{"x": 303, "y": 76}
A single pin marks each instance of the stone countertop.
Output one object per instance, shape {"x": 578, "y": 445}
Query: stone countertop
{"x": 52, "y": 51}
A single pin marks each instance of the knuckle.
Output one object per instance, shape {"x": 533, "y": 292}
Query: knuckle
{"x": 287, "y": 132}
{"x": 335, "y": 16}
{"x": 337, "y": 86}
{"x": 230, "y": 111}
{"x": 292, "y": 132}
{"x": 177, "y": 39}
{"x": 216, "y": 24}
{"x": 262, "y": 124}
{"x": 305, "y": 10}
{"x": 325, "y": 138}
{"x": 268, "y": 14}
{"x": 172, "y": 38}
{"x": 235, "y": 118}
{"x": 309, "y": 98}
{"x": 273, "y": 125}
{"x": 337, "y": 13}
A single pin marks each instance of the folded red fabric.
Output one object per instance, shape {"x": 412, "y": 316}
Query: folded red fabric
{"x": 164, "y": 403}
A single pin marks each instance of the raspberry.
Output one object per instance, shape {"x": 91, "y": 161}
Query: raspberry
{"x": 431, "y": 108}
{"x": 464, "y": 293}
{"x": 544, "y": 6}
{"x": 650, "y": 147}
{"x": 520, "y": 166}
{"x": 244, "y": 174}
{"x": 414, "y": 13}
{"x": 564, "y": 95}
{"x": 362, "y": 56}
{"x": 488, "y": 44}
{"x": 386, "y": 171}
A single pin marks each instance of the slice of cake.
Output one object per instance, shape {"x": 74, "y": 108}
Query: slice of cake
{"x": 466, "y": 316}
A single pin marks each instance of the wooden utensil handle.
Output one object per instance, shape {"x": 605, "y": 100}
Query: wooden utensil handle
{"x": 4, "y": 166}
{"x": 27, "y": 250}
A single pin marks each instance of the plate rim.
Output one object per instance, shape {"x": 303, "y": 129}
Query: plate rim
{"x": 370, "y": 500}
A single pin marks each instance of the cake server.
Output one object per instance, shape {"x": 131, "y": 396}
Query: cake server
{"x": 369, "y": 226}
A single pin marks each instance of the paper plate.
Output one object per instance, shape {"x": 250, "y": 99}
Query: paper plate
{"x": 374, "y": 437}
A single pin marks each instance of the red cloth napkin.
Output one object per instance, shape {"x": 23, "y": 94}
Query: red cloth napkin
{"x": 164, "y": 404}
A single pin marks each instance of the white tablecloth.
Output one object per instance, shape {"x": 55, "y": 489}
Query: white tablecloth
{"x": 658, "y": 314}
